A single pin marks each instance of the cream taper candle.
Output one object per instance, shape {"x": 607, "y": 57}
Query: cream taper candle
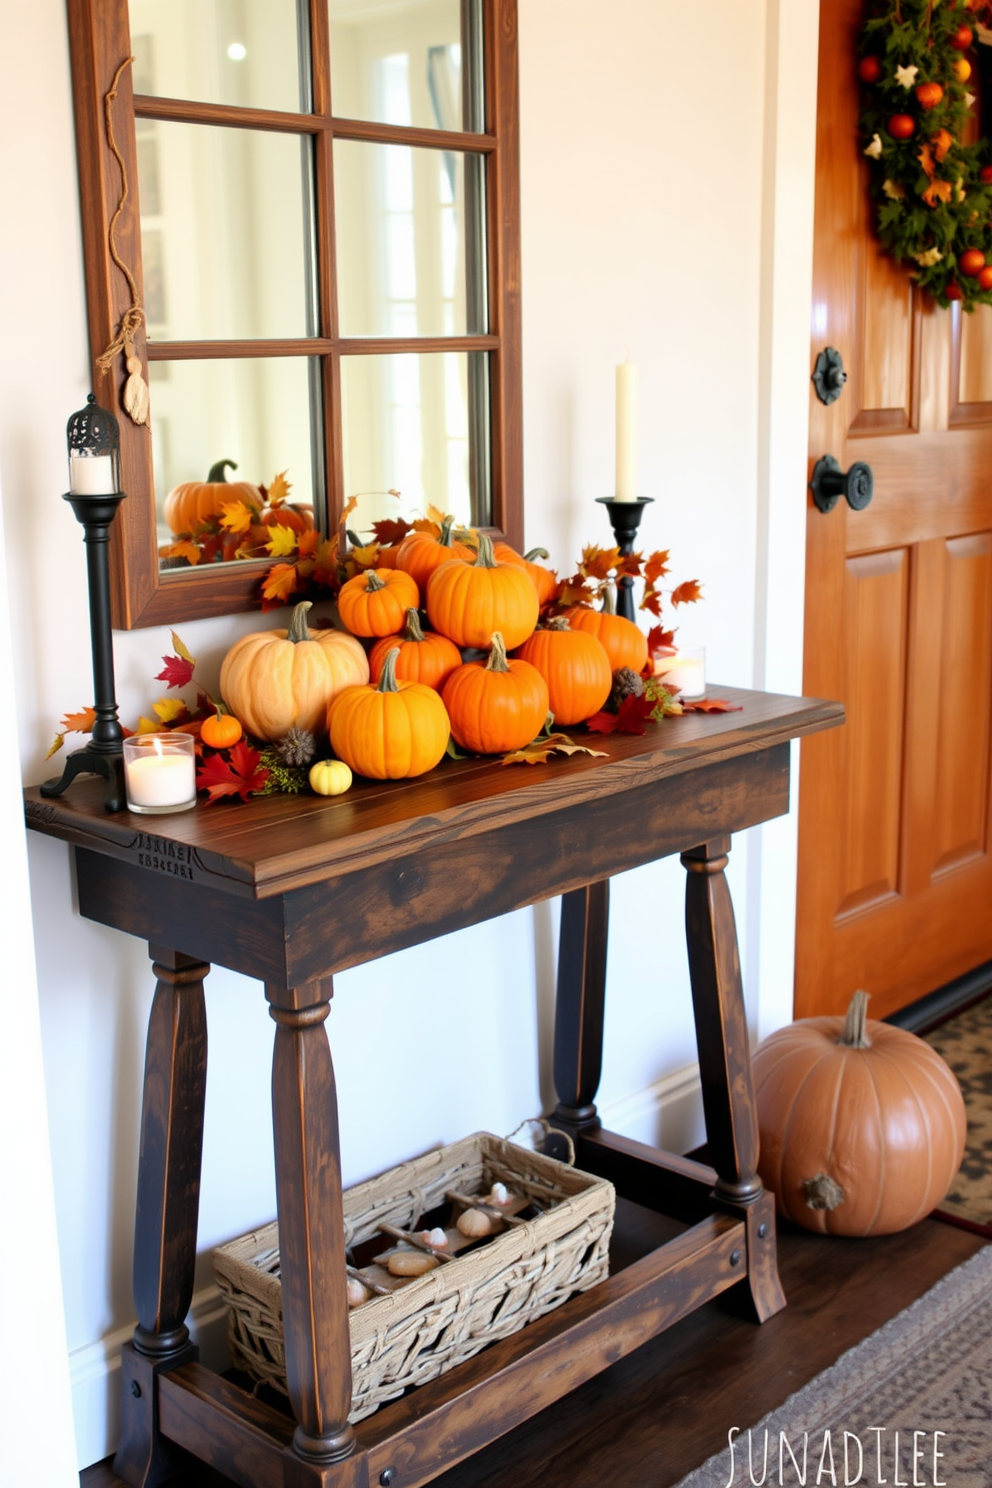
{"x": 626, "y": 487}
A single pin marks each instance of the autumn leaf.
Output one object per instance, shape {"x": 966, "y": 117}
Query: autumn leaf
{"x": 597, "y": 563}
{"x": 942, "y": 142}
{"x": 55, "y": 745}
{"x": 390, "y": 531}
{"x": 629, "y": 719}
{"x": 148, "y": 725}
{"x": 424, "y": 524}
{"x": 169, "y": 709}
{"x": 575, "y": 591}
{"x": 182, "y": 549}
{"x": 349, "y": 507}
{"x": 279, "y": 583}
{"x": 240, "y": 774}
{"x": 660, "y": 641}
{"x": 182, "y": 650}
{"x": 308, "y": 541}
{"x": 544, "y": 746}
{"x": 282, "y": 541}
{"x": 236, "y": 516}
{"x": 629, "y": 565}
{"x": 656, "y": 566}
{"x": 712, "y": 705}
{"x": 687, "y": 593}
{"x": 937, "y": 191}
{"x": 651, "y": 600}
{"x": 79, "y": 723}
{"x": 365, "y": 557}
{"x": 177, "y": 670}
{"x": 435, "y": 515}
{"x": 278, "y": 490}
{"x": 925, "y": 157}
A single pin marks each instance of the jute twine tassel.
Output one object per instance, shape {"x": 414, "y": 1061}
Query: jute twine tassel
{"x": 135, "y": 396}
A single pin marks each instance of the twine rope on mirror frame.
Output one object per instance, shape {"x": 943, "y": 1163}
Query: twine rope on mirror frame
{"x": 135, "y": 394}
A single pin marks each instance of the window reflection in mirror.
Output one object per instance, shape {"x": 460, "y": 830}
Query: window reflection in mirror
{"x": 406, "y": 427}
{"x": 410, "y": 248}
{"x": 407, "y": 63}
{"x": 242, "y": 52}
{"x": 253, "y": 412}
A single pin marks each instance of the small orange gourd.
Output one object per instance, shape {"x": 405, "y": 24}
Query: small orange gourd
{"x": 375, "y": 603}
{"x": 575, "y": 666}
{"x": 496, "y": 705}
{"x": 545, "y": 580}
{"x": 420, "y": 553}
{"x": 275, "y": 680}
{"x": 862, "y": 1125}
{"x": 467, "y": 603}
{"x": 193, "y": 502}
{"x": 429, "y": 658}
{"x": 624, "y": 642}
{"x": 391, "y": 732}
{"x": 221, "y": 730}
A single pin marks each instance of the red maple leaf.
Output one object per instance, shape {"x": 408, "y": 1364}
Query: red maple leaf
{"x": 232, "y": 772}
{"x": 390, "y": 531}
{"x": 687, "y": 593}
{"x": 660, "y": 642}
{"x": 712, "y": 705}
{"x": 656, "y": 566}
{"x": 631, "y": 718}
{"x": 176, "y": 672}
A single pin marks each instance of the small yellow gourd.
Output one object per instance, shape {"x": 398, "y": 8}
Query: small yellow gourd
{"x": 330, "y": 777}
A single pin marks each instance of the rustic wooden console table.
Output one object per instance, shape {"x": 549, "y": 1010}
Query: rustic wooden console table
{"x": 334, "y": 883}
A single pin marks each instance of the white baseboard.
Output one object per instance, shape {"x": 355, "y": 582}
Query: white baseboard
{"x": 668, "y": 1113}
{"x": 95, "y": 1375}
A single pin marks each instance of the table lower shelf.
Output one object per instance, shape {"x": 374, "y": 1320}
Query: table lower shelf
{"x": 417, "y": 1437}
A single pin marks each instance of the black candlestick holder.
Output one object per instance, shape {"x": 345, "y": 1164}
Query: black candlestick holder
{"x": 625, "y": 518}
{"x": 93, "y": 433}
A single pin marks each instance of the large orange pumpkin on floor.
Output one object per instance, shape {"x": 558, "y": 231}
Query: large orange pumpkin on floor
{"x": 862, "y": 1124}
{"x": 468, "y": 602}
{"x": 575, "y": 667}
{"x": 193, "y": 502}
{"x": 391, "y": 732}
{"x": 496, "y": 705}
{"x": 275, "y": 680}
{"x": 624, "y": 642}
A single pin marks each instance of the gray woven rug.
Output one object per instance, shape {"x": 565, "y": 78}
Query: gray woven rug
{"x": 927, "y": 1371}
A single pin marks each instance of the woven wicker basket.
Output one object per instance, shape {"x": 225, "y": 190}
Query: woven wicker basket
{"x": 449, "y": 1314}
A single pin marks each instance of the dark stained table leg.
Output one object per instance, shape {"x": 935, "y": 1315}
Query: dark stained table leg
{"x": 580, "y": 1003}
{"x": 167, "y": 1209}
{"x": 311, "y": 1223}
{"x": 725, "y": 1065}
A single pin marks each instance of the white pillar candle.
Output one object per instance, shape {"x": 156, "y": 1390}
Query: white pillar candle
{"x": 160, "y": 772}
{"x": 626, "y": 484}
{"x": 684, "y": 671}
{"x": 91, "y": 475}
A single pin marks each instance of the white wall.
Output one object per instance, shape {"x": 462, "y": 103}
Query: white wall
{"x": 667, "y": 204}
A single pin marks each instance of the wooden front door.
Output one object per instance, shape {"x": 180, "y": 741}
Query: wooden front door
{"x": 895, "y": 874}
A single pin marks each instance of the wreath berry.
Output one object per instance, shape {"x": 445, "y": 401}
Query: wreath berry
{"x": 932, "y": 192}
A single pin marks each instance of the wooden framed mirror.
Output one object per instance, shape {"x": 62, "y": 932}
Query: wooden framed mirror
{"x": 322, "y": 223}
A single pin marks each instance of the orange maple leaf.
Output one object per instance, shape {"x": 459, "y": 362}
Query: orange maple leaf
{"x": 308, "y": 542}
{"x": 435, "y": 515}
{"x": 279, "y": 583}
{"x": 278, "y": 490}
{"x": 349, "y": 507}
{"x": 937, "y": 191}
{"x": 423, "y": 524}
{"x": 598, "y": 562}
{"x": 942, "y": 142}
{"x": 575, "y": 591}
{"x": 687, "y": 593}
{"x": 236, "y": 516}
{"x": 79, "y": 723}
{"x": 182, "y": 549}
{"x": 656, "y": 566}
{"x": 365, "y": 557}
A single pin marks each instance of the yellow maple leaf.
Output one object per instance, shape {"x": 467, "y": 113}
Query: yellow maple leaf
{"x": 435, "y": 515}
{"x": 278, "y": 489}
{"x": 280, "y": 581}
{"x": 365, "y": 557}
{"x": 56, "y": 745}
{"x": 169, "y": 709}
{"x": 181, "y": 549}
{"x": 282, "y": 541}
{"x": 236, "y": 516}
{"x": 148, "y": 725}
{"x": 181, "y": 650}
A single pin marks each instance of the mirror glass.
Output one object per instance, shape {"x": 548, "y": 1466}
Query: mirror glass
{"x": 407, "y": 62}
{"x": 253, "y": 412}
{"x": 224, "y": 241}
{"x": 239, "y": 52}
{"x": 410, "y": 241}
{"x": 416, "y": 424}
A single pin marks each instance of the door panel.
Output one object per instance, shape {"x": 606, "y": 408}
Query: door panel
{"x": 895, "y": 877}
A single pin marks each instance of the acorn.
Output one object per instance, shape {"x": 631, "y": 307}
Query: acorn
{"x": 626, "y": 683}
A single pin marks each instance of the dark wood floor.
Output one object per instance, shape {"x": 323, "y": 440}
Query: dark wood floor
{"x": 659, "y": 1413}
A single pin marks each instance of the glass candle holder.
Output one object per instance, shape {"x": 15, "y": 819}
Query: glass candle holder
{"x": 684, "y": 671}
{"x": 160, "y": 773}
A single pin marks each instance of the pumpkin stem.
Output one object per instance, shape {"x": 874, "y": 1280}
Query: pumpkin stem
{"x": 218, "y": 472}
{"x": 855, "y": 1035}
{"x": 298, "y": 624}
{"x": 497, "y": 657}
{"x": 413, "y": 631}
{"x": 486, "y": 558}
{"x": 557, "y": 622}
{"x": 536, "y": 553}
{"x": 373, "y": 581}
{"x": 387, "y": 680}
{"x": 444, "y": 540}
{"x": 610, "y": 599}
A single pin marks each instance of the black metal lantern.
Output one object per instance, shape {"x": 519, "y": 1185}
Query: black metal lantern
{"x": 94, "y": 494}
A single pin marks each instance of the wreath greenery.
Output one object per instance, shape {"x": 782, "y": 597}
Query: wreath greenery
{"x": 932, "y": 191}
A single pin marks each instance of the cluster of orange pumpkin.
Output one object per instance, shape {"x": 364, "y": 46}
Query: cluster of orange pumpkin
{"x": 389, "y": 711}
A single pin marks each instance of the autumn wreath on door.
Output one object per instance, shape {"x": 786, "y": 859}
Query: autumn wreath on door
{"x": 932, "y": 189}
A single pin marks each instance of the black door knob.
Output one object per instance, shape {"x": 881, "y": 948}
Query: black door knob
{"x": 830, "y": 483}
